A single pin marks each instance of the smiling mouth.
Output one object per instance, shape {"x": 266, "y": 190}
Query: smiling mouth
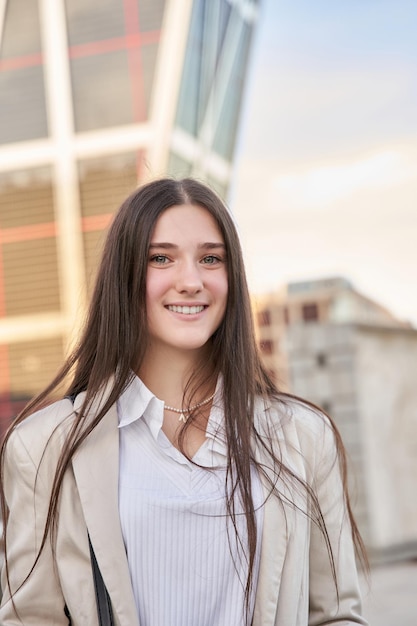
{"x": 185, "y": 310}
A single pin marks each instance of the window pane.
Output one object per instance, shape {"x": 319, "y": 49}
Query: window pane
{"x": 94, "y": 20}
{"x": 102, "y": 94}
{"x": 224, "y": 142}
{"x": 267, "y": 346}
{"x": 264, "y": 318}
{"x": 21, "y": 32}
{"x": 104, "y": 184}
{"x": 310, "y": 312}
{"x": 22, "y": 97}
{"x": 217, "y": 30}
{"x": 26, "y": 198}
{"x": 150, "y": 14}
{"x": 189, "y": 98}
{"x": 28, "y": 251}
{"x": 31, "y": 282}
{"x": 33, "y": 365}
{"x": 22, "y": 104}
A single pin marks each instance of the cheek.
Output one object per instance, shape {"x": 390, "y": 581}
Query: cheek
{"x": 222, "y": 290}
{"x": 154, "y": 287}
{"x": 225, "y": 285}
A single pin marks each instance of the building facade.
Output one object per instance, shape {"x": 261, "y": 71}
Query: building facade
{"x": 327, "y": 300}
{"x": 324, "y": 341}
{"x": 365, "y": 377}
{"x": 97, "y": 96}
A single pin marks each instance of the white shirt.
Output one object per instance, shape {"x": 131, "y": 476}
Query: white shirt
{"x": 186, "y": 568}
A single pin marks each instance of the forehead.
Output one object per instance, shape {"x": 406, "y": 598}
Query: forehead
{"x": 186, "y": 221}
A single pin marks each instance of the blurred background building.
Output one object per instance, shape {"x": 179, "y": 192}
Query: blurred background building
{"x": 325, "y": 341}
{"x": 97, "y": 96}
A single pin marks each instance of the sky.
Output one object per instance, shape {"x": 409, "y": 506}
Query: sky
{"x": 326, "y": 175}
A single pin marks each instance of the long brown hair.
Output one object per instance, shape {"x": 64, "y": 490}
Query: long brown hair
{"x": 115, "y": 339}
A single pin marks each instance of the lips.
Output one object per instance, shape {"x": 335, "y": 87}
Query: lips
{"x": 186, "y": 310}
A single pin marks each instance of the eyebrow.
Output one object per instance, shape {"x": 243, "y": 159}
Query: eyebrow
{"x": 208, "y": 245}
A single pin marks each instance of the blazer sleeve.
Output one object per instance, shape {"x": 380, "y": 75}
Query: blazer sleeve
{"x": 326, "y": 606}
{"x": 37, "y": 595}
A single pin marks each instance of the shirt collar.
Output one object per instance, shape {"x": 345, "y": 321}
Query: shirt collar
{"x": 135, "y": 401}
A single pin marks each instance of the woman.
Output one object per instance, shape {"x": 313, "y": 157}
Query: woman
{"x": 209, "y": 498}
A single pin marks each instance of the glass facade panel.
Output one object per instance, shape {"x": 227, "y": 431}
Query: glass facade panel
{"x": 178, "y": 167}
{"x": 22, "y": 105}
{"x": 33, "y": 364}
{"x": 106, "y": 182}
{"x": 101, "y": 91}
{"x": 150, "y": 14}
{"x": 206, "y": 42}
{"x": 217, "y": 31}
{"x": 189, "y": 97}
{"x": 22, "y": 93}
{"x": 112, "y": 64}
{"x": 31, "y": 282}
{"x": 224, "y": 142}
{"x": 21, "y": 31}
{"x": 94, "y": 20}
{"x": 27, "y": 243}
{"x": 26, "y": 198}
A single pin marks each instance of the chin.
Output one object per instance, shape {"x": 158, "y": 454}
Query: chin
{"x": 192, "y": 346}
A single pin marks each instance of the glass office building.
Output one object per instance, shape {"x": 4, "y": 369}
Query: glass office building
{"x": 95, "y": 97}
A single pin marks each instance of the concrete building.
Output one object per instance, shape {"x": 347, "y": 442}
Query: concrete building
{"x": 96, "y": 96}
{"x": 333, "y": 300}
{"x": 354, "y": 359}
{"x": 365, "y": 378}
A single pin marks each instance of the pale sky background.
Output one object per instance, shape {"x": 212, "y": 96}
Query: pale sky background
{"x": 326, "y": 178}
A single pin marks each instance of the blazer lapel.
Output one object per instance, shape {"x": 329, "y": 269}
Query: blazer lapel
{"x": 276, "y": 530}
{"x": 96, "y": 470}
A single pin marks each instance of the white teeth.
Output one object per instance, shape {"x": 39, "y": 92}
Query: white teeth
{"x": 185, "y": 310}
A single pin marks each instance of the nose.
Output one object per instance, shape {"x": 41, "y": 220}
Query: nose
{"x": 189, "y": 278}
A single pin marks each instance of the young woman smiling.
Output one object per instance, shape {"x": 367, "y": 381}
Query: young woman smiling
{"x": 208, "y": 497}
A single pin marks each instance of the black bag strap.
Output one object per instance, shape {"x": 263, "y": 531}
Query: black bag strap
{"x": 104, "y": 608}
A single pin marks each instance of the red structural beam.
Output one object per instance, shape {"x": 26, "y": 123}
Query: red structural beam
{"x": 131, "y": 41}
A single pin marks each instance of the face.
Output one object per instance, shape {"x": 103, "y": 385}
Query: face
{"x": 186, "y": 284}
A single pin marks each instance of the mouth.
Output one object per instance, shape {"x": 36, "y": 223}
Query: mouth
{"x": 186, "y": 310}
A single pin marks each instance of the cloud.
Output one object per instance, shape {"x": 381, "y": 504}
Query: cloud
{"x": 321, "y": 186}
{"x": 354, "y": 217}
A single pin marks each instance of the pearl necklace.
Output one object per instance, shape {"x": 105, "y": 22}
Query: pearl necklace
{"x": 184, "y": 413}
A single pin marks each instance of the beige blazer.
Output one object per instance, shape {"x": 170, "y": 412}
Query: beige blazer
{"x": 295, "y": 585}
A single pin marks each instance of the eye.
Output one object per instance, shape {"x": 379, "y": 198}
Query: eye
{"x": 159, "y": 259}
{"x": 211, "y": 259}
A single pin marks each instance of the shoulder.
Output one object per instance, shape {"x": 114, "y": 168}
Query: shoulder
{"x": 302, "y": 428}
{"x": 44, "y": 429}
{"x": 287, "y": 411}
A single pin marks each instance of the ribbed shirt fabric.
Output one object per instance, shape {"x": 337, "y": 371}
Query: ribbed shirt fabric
{"x": 186, "y": 565}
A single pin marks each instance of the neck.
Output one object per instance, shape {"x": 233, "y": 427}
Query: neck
{"x": 167, "y": 373}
